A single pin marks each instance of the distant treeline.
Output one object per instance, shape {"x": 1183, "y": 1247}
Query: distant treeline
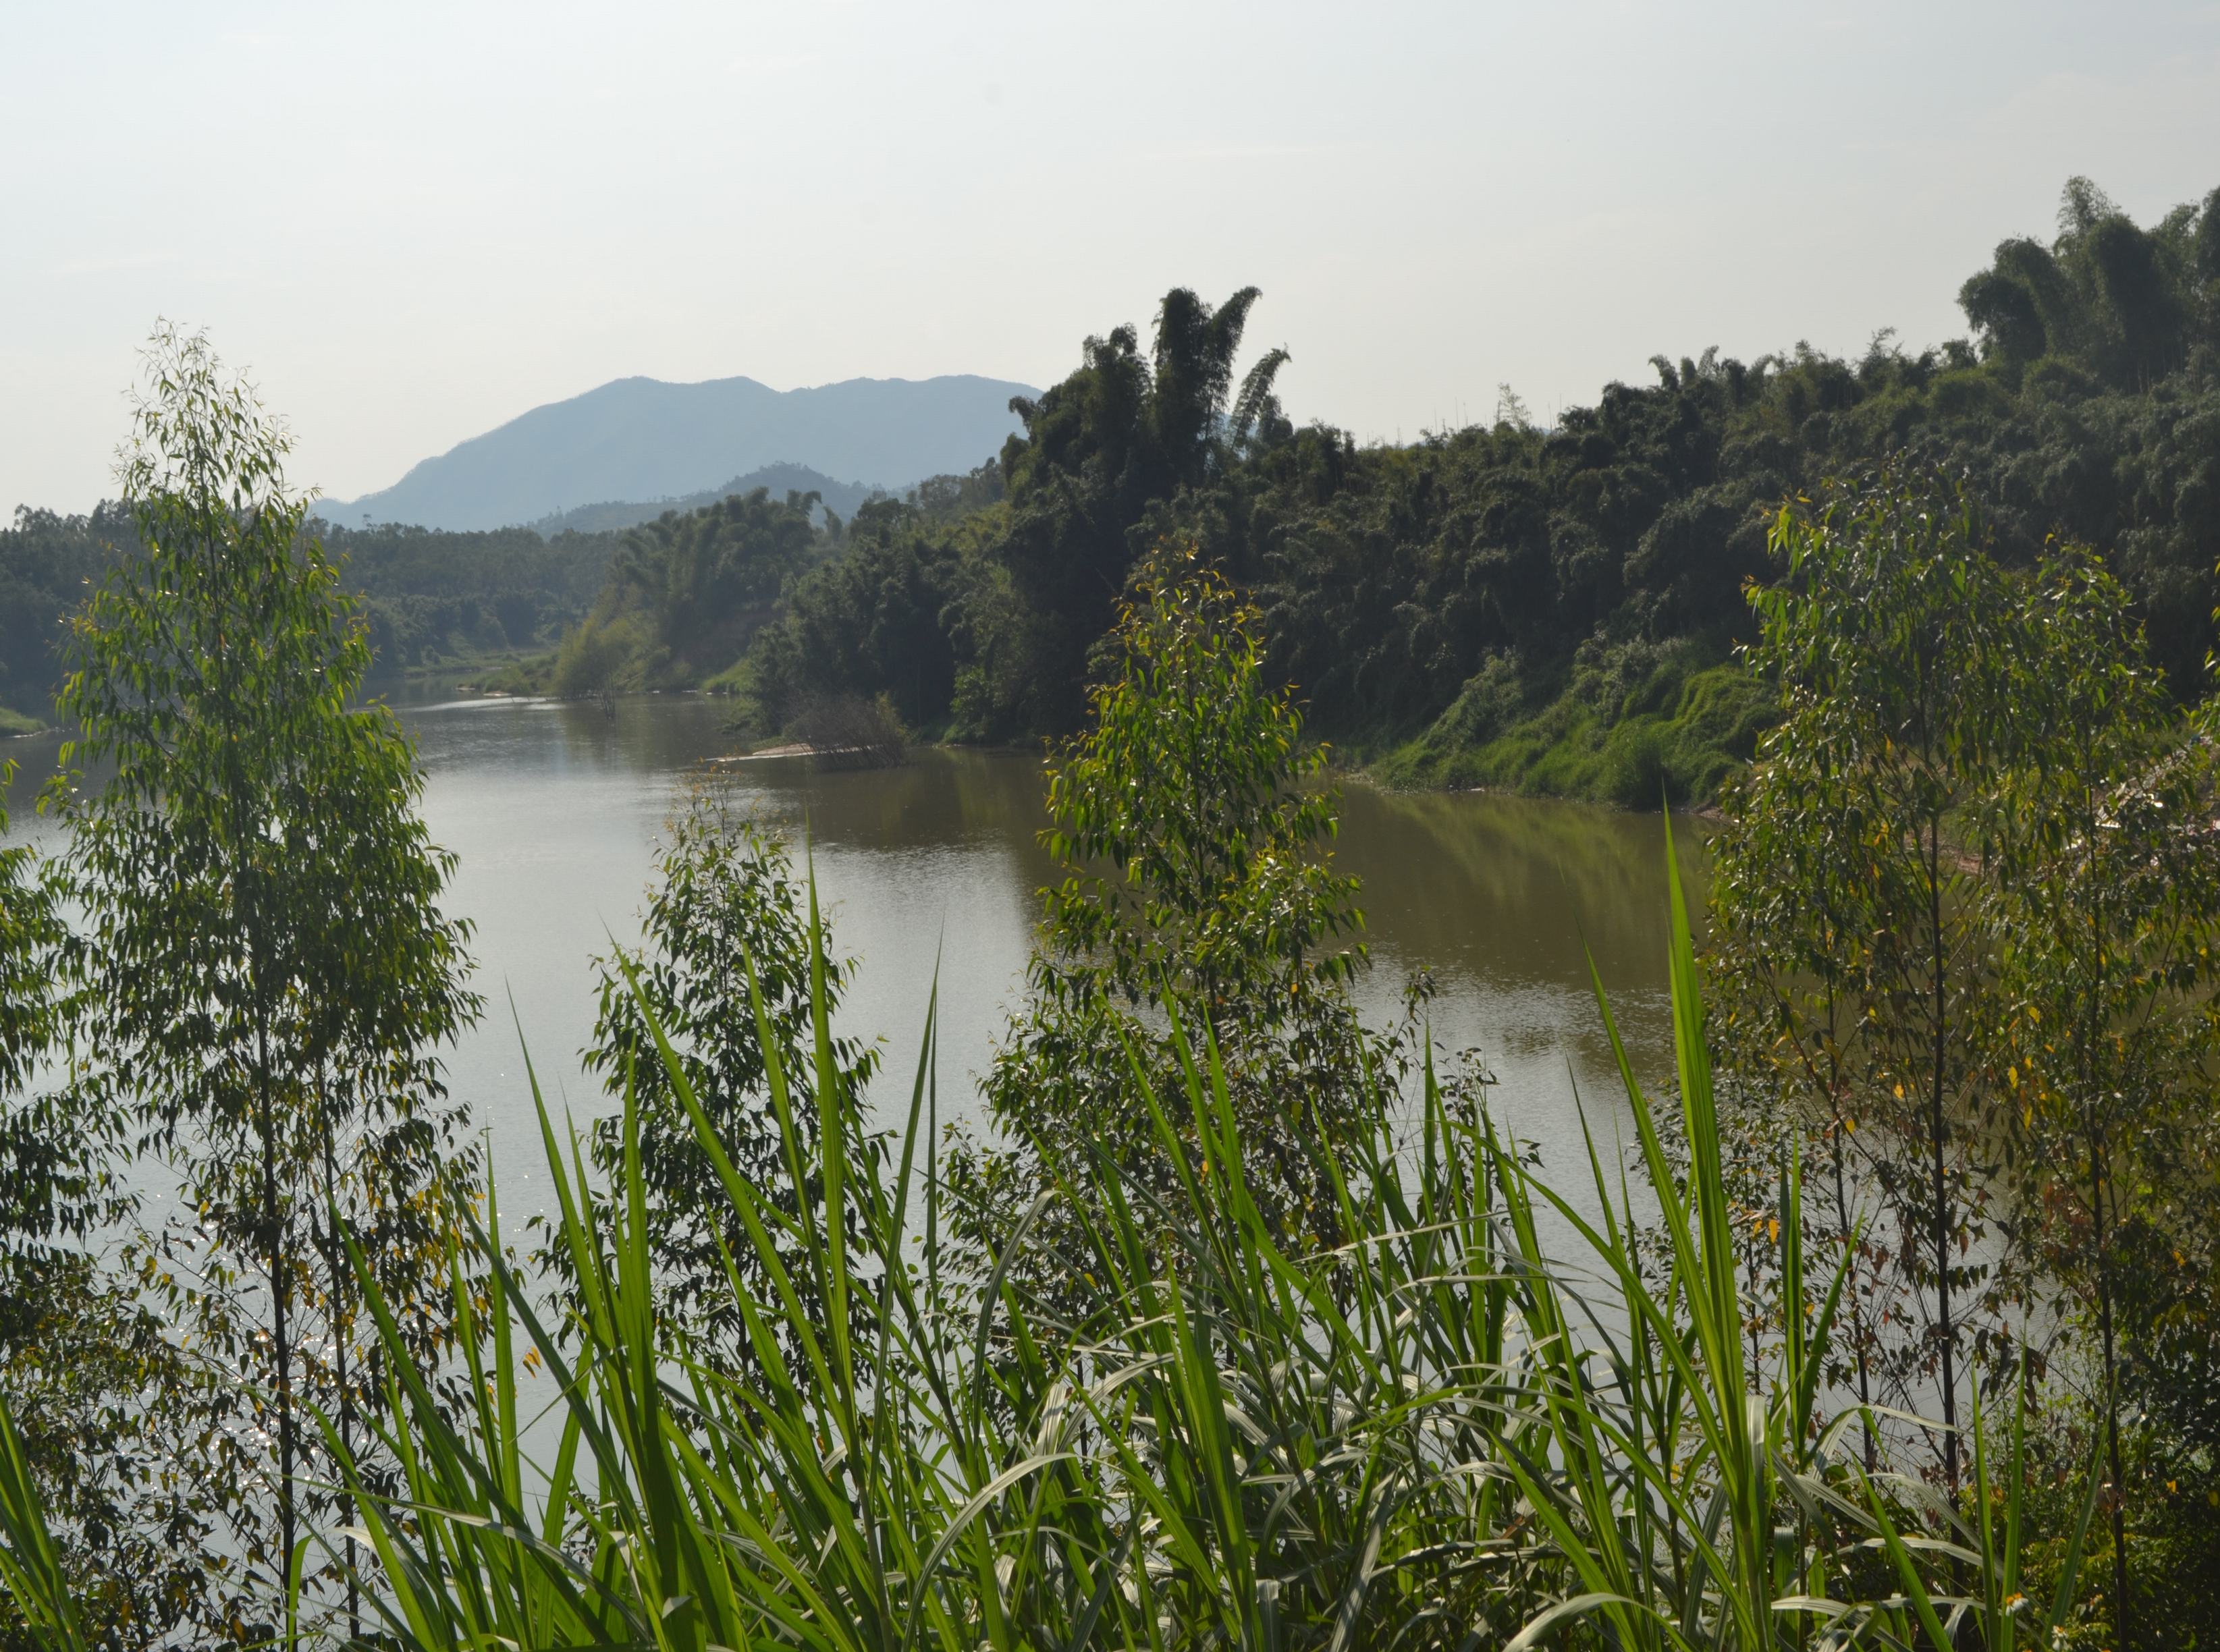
{"x": 46, "y": 562}
{"x": 426, "y": 597}
{"x": 428, "y": 592}
{"x": 1553, "y": 609}
{"x": 618, "y": 514}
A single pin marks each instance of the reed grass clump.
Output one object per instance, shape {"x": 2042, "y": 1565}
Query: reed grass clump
{"x": 1435, "y": 1430}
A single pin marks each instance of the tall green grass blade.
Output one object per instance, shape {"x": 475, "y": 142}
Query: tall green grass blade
{"x": 1180, "y": 1426}
{"x": 30, "y": 1564}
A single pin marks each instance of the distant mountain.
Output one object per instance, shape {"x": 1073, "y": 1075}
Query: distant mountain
{"x": 640, "y": 438}
{"x": 841, "y": 497}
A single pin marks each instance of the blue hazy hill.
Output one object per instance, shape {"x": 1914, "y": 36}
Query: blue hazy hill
{"x": 642, "y": 440}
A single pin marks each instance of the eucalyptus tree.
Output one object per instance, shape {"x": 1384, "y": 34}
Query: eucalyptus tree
{"x": 1194, "y": 839}
{"x": 380, "y": 991}
{"x": 727, "y": 927}
{"x": 100, "y": 1398}
{"x": 1787, "y": 939}
{"x": 30, "y": 934}
{"x": 264, "y": 971}
{"x": 1852, "y": 912}
{"x": 2112, "y": 893}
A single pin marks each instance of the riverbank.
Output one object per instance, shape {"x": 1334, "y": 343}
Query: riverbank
{"x": 1668, "y": 735}
{"x": 1566, "y": 753}
{"x": 464, "y": 672}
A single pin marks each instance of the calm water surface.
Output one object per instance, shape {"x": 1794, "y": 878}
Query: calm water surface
{"x": 554, "y": 810}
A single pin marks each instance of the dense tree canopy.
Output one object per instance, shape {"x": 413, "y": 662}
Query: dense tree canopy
{"x": 425, "y": 595}
{"x": 708, "y": 579}
{"x": 46, "y": 562}
{"x": 877, "y": 621}
{"x": 1545, "y": 608}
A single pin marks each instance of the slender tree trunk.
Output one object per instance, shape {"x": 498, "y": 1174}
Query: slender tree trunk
{"x": 1857, "y": 1312}
{"x": 2117, "y": 1498}
{"x": 1844, "y": 1226}
{"x": 247, "y": 823}
{"x": 342, "y": 1333}
{"x": 281, "y": 1330}
{"x": 1938, "y": 1127}
{"x": 2099, "y": 1182}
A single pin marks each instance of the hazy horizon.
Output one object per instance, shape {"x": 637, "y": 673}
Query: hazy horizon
{"x": 414, "y": 228}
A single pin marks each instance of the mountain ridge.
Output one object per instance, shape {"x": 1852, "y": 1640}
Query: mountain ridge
{"x": 611, "y": 515}
{"x": 639, "y": 438}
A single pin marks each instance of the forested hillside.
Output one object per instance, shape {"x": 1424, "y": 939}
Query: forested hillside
{"x": 688, "y": 591}
{"x": 1544, "y": 608}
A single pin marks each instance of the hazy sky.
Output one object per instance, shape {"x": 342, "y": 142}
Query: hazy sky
{"x": 415, "y": 221}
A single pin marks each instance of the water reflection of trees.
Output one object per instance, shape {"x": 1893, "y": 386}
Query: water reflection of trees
{"x": 1512, "y": 887}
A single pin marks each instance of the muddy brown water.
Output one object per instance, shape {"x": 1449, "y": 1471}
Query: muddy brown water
{"x": 553, "y": 810}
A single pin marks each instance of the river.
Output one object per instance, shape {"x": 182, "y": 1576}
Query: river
{"x": 553, "y": 811}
